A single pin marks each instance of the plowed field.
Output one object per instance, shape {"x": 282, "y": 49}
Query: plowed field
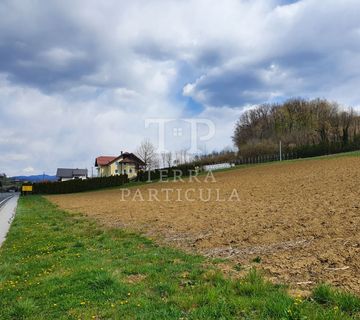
{"x": 300, "y": 221}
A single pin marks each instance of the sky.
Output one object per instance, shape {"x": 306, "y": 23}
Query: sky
{"x": 84, "y": 78}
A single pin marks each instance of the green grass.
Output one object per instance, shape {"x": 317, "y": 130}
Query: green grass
{"x": 326, "y": 157}
{"x": 324, "y": 294}
{"x": 271, "y": 163}
{"x": 54, "y": 265}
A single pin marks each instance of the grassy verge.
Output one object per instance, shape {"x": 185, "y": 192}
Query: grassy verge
{"x": 54, "y": 265}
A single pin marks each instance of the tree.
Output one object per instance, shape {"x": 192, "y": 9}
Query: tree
{"x": 346, "y": 119}
{"x": 168, "y": 159}
{"x": 147, "y": 153}
{"x": 163, "y": 159}
{"x": 2, "y": 181}
{"x": 300, "y": 124}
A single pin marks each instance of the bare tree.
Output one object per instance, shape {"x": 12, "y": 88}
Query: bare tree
{"x": 163, "y": 159}
{"x": 177, "y": 159}
{"x": 168, "y": 159}
{"x": 146, "y": 152}
{"x": 346, "y": 118}
{"x": 183, "y": 156}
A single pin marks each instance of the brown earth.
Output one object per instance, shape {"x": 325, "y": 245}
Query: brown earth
{"x": 302, "y": 219}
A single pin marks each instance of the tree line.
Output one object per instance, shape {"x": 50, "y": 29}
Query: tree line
{"x": 308, "y": 127}
{"x": 305, "y": 128}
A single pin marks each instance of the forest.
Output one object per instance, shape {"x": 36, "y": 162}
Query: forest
{"x": 305, "y": 127}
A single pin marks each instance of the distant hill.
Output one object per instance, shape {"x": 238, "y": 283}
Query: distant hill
{"x": 35, "y": 178}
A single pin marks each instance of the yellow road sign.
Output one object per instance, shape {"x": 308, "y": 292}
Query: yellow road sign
{"x": 27, "y": 188}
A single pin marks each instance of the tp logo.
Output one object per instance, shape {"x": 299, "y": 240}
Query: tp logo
{"x": 197, "y": 131}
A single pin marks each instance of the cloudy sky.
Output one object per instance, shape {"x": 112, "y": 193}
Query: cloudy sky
{"x": 79, "y": 78}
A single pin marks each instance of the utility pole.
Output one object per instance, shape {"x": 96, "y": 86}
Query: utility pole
{"x": 280, "y": 147}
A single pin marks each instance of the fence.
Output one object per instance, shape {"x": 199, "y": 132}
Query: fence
{"x": 265, "y": 158}
{"x": 303, "y": 152}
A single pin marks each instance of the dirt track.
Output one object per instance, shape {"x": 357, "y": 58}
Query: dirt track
{"x": 301, "y": 218}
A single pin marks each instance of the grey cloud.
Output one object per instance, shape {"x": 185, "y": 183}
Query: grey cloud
{"x": 40, "y": 45}
{"x": 310, "y": 43}
{"x": 83, "y": 75}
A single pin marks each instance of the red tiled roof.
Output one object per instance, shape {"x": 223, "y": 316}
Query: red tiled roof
{"x": 127, "y": 157}
{"x": 103, "y": 160}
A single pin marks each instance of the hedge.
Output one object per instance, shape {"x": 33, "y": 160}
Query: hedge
{"x": 306, "y": 151}
{"x": 326, "y": 148}
{"x": 78, "y": 185}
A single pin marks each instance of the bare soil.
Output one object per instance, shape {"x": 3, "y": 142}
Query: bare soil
{"x": 299, "y": 221}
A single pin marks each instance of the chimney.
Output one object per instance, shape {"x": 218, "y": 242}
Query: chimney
{"x": 121, "y": 152}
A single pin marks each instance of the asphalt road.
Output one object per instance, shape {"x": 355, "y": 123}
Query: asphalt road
{"x": 7, "y": 212}
{"x": 4, "y": 196}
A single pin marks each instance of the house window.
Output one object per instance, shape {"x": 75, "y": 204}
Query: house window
{"x": 124, "y": 171}
{"x": 116, "y": 171}
{"x": 130, "y": 170}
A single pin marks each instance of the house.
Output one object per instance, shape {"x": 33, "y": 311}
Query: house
{"x": 125, "y": 163}
{"x": 102, "y": 165}
{"x": 64, "y": 174}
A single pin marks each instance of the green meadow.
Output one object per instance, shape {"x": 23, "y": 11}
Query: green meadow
{"x": 56, "y": 265}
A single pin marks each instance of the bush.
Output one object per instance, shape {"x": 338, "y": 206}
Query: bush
{"x": 72, "y": 186}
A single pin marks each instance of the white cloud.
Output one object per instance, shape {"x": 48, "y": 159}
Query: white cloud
{"x": 28, "y": 170}
{"x": 47, "y": 132}
{"x": 78, "y": 78}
